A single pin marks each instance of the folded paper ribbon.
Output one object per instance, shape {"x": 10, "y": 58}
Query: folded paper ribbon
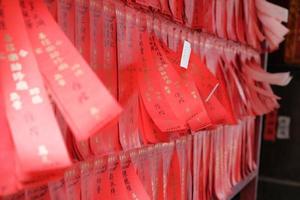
{"x": 25, "y": 98}
{"x": 72, "y": 84}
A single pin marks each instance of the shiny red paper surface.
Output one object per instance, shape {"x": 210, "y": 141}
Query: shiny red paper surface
{"x": 74, "y": 87}
{"x": 25, "y": 98}
{"x": 187, "y": 133}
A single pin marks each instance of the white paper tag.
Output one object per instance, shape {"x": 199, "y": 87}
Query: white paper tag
{"x": 186, "y": 53}
{"x": 283, "y": 130}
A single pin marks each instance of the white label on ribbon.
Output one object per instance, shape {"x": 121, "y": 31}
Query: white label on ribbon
{"x": 186, "y": 53}
{"x": 283, "y": 131}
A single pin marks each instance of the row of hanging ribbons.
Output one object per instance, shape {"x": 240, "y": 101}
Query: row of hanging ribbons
{"x": 246, "y": 21}
{"x": 203, "y": 166}
{"x": 250, "y": 22}
{"x": 55, "y": 111}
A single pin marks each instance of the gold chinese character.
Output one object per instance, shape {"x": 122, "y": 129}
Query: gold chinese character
{"x": 23, "y": 53}
{"x": 165, "y": 77}
{"x": 59, "y": 79}
{"x": 7, "y": 38}
{"x": 63, "y": 66}
{"x": 57, "y": 60}
{"x": 50, "y": 48}
{"x": 78, "y": 72}
{"x": 22, "y": 85}
{"x": 16, "y": 101}
{"x": 13, "y": 57}
{"x": 34, "y": 91}
{"x": 163, "y": 73}
{"x": 168, "y": 81}
{"x": 167, "y": 89}
{"x": 42, "y": 36}
{"x": 38, "y": 51}
{"x": 58, "y": 76}
{"x": 194, "y": 94}
{"x": 14, "y": 96}
{"x": 16, "y": 67}
{"x": 18, "y": 76}
{"x": 36, "y": 99}
{"x": 10, "y": 47}
{"x": 45, "y": 42}
{"x": 17, "y": 105}
{"x": 54, "y": 54}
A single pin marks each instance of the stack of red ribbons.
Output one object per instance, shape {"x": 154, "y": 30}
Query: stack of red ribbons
{"x": 189, "y": 98}
{"x": 37, "y": 59}
{"x": 247, "y": 21}
{"x": 204, "y": 166}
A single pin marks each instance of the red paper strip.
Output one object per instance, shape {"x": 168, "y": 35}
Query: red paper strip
{"x": 57, "y": 189}
{"x": 117, "y": 188}
{"x": 39, "y": 193}
{"x": 25, "y": 99}
{"x": 152, "y": 93}
{"x": 150, "y": 130}
{"x": 142, "y": 167}
{"x": 101, "y": 184}
{"x": 104, "y": 62}
{"x": 82, "y": 28}
{"x": 52, "y": 7}
{"x": 197, "y": 171}
{"x": 87, "y": 180}
{"x": 66, "y": 17}
{"x": 127, "y": 37}
{"x": 176, "y": 7}
{"x": 164, "y": 4}
{"x": 8, "y": 181}
{"x": 83, "y": 100}
{"x": 193, "y": 9}
{"x": 72, "y": 183}
{"x": 132, "y": 182}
